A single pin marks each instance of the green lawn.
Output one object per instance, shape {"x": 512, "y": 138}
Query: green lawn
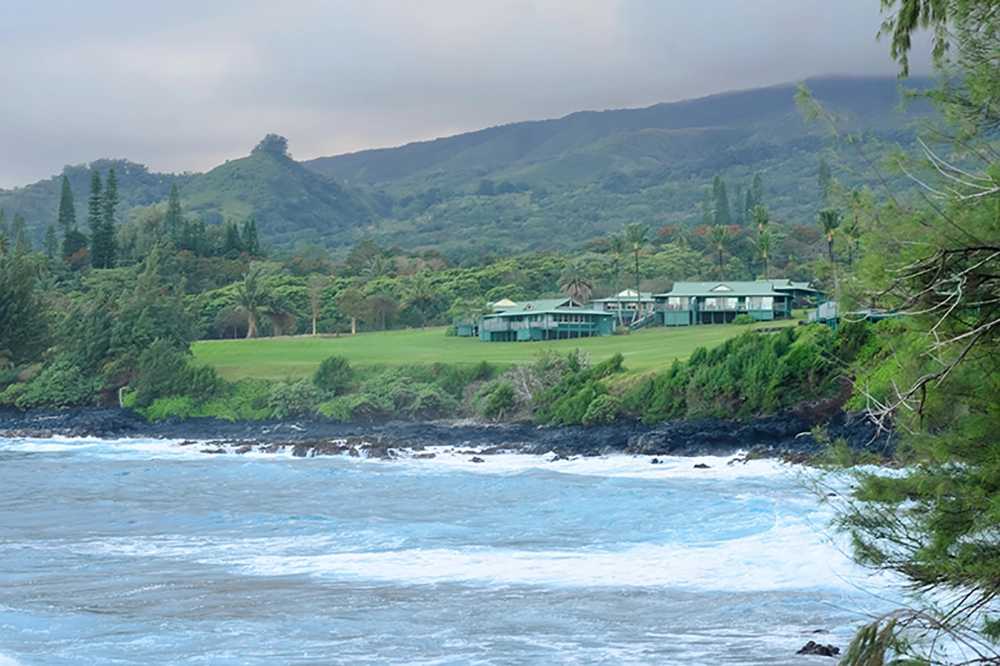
{"x": 294, "y": 358}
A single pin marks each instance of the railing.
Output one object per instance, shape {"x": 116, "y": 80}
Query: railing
{"x": 645, "y": 321}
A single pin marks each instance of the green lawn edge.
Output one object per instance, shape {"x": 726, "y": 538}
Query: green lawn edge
{"x": 289, "y": 358}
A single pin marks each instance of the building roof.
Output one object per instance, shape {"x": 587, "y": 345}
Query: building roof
{"x": 503, "y": 303}
{"x": 548, "y": 306}
{"x": 737, "y": 288}
{"x": 625, "y": 296}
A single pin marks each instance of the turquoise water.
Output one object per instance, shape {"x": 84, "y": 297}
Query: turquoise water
{"x": 148, "y": 552}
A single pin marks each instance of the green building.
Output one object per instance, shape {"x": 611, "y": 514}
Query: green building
{"x": 694, "y": 303}
{"x": 551, "y": 319}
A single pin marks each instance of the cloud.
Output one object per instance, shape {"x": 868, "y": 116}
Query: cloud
{"x": 185, "y": 85}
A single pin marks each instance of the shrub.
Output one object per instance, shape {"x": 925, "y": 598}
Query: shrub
{"x": 333, "y": 375}
{"x": 293, "y": 400}
{"x": 500, "y": 402}
{"x": 61, "y": 384}
{"x": 338, "y": 408}
{"x": 602, "y": 409}
{"x": 165, "y": 371}
{"x": 433, "y": 403}
{"x": 181, "y": 406}
{"x": 743, "y": 319}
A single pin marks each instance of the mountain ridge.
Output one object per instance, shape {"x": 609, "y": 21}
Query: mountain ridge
{"x": 526, "y": 185}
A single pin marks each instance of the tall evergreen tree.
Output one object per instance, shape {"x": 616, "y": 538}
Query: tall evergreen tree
{"x": 51, "y": 242}
{"x": 173, "y": 222}
{"x": 739, "y": 205}
{"x": 95, "y": 216}
{"x": 109, "y": 242}
{"x": 233, "y": 241}
{"x": 67, "y": 208}
{"x": 757, "y": 191}
{"x": 22, "y": 239}
{"x": 250, "y": 242}
{"x": 707, "y": 211}
{"x": 722, "y": 214}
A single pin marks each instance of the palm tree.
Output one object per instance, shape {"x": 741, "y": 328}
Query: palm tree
{"x": 764, "y": 247}
{"x": 829, "y": 219}
{"x": 638, "y": 235}
{"x": 852, "y": 230}
{"x": 720, "y": 235}
{"x": 251, "y": 298}
{"x": 619, "y": 246}
{"x": 378, "y": 266}
{"x": 279, "y": 311}
{"x": 761, "y": 217}
{"x": 419, "y": 294}
{"x": 577, "y": 287}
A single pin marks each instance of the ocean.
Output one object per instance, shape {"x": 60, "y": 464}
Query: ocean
{"x": 141, "y": 551}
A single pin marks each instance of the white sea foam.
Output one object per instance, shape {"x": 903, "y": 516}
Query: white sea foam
{"x": 130, "y": 447}
{"x": 789, "y": 557}
{"x": 444, "y": 458}
{"x": 614, "y": 465}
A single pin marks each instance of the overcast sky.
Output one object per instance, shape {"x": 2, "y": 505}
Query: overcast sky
{"x": 184, "y": 85}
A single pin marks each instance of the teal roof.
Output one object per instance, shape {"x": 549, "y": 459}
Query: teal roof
{"x": 547, "y": 306}
{"x": 737, "y": 288}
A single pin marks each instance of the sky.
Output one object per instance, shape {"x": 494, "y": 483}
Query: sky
{"x": 185, "y": 85}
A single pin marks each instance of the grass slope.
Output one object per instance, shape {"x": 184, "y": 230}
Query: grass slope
{"x": 294, "y": 358}
{"x": 288, "y": 201}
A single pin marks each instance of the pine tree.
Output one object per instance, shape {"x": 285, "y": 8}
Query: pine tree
{"x": 22, "y": 239}
{"x": 250, "y": 242}
{"x": 233, "y": 241}
{"x": 757, "y": 191}
{"x": 51, "y": 242}
{"x": 108, "y": 229}
{"x": 67, "y": 209}
{"x": 173, "y": 223}
{"x": 707, "y": 212}
{"x": 739, "y": 208}
{"x": 722, "y": 216}
{"x": 95, "y": 218}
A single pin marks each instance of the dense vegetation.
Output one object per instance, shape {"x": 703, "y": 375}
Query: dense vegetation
{"x": 934, "y": 376}
{"x": 107, "y": 311}
{"x": 555, "y": 184}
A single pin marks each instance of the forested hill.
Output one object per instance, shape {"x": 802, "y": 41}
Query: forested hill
{"x": 561, "y": 182}
{"x": 531, "y": 185}
{"x": 715, "y": 132}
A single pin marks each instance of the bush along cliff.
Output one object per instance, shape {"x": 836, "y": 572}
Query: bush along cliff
{"x": 753, "y": 375}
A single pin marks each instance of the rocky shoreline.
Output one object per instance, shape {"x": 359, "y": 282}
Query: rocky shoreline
{"x": 786, "y": 435}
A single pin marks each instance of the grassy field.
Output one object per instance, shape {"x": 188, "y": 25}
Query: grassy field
{"x": 294, "y": 358}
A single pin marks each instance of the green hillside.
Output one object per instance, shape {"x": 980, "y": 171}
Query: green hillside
{"x": 715, "y": 132}
{"x": 525, "y": 186}
{"x": 39, "y": 202}
{"x": 561, "y": 182}
{"x": 288, "y": 201}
